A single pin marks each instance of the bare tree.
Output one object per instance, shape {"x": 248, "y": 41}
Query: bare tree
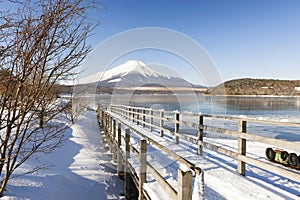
{"x": 75, "y": 106}
{"x": 42, "y": 42}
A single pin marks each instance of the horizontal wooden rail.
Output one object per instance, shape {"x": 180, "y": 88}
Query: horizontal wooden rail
{"x": 165, "y": 185}
{"x": 272, "y": 141}
{"x": 223, "y": 117}
{"x": 272, "y": 168}
{"x": 223, "y": 131}
{"x": 155, "y": 119}
{"x": 222, "y": 150}
{"x": 115, "y": 139}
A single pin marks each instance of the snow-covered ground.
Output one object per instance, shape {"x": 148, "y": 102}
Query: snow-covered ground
{"x": 221, "y": 179}
{"x": 80, "y": 169}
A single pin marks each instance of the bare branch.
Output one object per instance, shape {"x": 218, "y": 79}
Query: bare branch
{"x": 41, "y": 43}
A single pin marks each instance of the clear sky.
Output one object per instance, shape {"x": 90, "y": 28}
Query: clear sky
{"x": 244, "y": 38}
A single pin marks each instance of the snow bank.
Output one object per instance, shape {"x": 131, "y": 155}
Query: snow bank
{"x": 80, "y": 169}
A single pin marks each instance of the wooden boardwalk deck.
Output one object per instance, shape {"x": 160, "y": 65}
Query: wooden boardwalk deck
{"x": 130, "y": 131}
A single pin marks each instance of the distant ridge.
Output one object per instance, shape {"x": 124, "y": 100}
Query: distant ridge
{"x": 249, "y": 86}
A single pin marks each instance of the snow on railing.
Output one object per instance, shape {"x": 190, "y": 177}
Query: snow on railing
{"x": 134, "y": 168}
{"x": 174, "y": 125}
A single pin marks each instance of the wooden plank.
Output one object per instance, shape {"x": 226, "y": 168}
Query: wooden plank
{"x": 269, "y": 167}
{"x": 185, "y": 188}
{"x": 119, "y": 134}
{"x": 200, "y": 135}
{"x": 161, "y": 123}
{"x": 164, "y": 184}
{"x": 219, "y": 149}
{"x": 163, "y": 148}
{"x": 189, "y": 124}
{"x": 242, "y": 137}
{"x": 144, "y": 117}
{"x": 272, "y": 141}
{"x": 221, "y": 130}
{"x": 274, "y": 123}
{"x": 143, "y": 167}
{"x": 187, "y": 138}
{"x": 176, "y": 128}
{"x": 241, "y": 166}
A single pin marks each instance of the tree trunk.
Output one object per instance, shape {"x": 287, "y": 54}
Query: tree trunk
{"x": 3, "y": 185}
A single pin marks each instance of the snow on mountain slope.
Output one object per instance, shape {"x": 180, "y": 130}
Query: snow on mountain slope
{"x": 131, "y": 67}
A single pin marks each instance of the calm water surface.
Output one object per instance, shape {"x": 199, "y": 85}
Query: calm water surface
{"x": 249, "y": 106}
{"x": 286, "y": 109}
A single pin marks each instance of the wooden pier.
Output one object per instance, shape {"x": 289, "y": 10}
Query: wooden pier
{"x": 118, "y": 122}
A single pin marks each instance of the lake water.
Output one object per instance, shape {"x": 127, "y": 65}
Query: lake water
{"x": 282, "y": 107}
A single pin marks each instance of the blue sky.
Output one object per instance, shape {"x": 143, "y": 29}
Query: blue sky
{"x": 257, "y": 38}
{"x": 244, "y": 38}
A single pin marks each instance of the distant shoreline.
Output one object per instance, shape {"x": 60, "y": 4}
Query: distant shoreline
{"x": 268, "y": 96}
{"x": 257, "y": 87}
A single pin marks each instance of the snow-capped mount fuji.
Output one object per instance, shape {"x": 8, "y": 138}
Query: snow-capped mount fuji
{"x": 134, "y": 73}
{"x": 132, "y": 67}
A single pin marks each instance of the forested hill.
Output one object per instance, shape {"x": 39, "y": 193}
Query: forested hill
{"x": 248, "y": 86}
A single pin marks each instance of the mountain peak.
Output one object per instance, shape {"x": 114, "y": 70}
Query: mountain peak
{"x": 134, "y": 63}
{"x": 133, "y": 72}
{"x": 136, "y": 66}
{"x": 131, "y": 67}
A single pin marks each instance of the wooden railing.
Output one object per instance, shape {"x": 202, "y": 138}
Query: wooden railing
{"x": 157, "y": 119}
{"x": 121, "y": 148}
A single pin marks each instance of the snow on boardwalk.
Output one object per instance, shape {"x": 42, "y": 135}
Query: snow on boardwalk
{"x": 81, "y": 169}
{"x": 221, "y": 180}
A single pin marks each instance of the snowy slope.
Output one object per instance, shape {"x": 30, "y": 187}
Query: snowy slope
{"x": 132, "y": 67}
{"x": 220, "y": 177}
{"x": 80, "y": 169}
{"x": 133, "y": 73}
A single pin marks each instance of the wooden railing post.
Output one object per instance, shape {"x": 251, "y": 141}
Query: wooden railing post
{"x": 119, "y": 134}
{"x": 127, "y": 142}
{"x": 104, "y": 121}
{"x": 130, "y": 189}
{"x": 111, "y": 125}
{"x": 143, "y": 167}
{"x": 176, "y": 130}
{"x": 114, "y": 153}
{"x": 107, "y": 123}
{"x": 200, "y": 135}
{"x": 151, "y": 119}
{"x": 120, "y": 167}
{"x": 185, "y": 179}
{"x": 110, "y": 134}
{"x": 144, "y": 117}
{"x": 138, "y": 116}
{"x": 102, "y": 118}
{"x": 161, "y": 122}
{"x": 242, "y": 128}
{"x": 133, "y": 114}
{"x": 114, "y": 130}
